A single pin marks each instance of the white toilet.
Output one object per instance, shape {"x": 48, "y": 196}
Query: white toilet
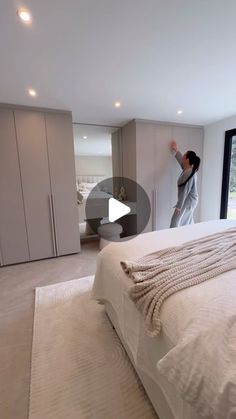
{"x": 109, "y": 232}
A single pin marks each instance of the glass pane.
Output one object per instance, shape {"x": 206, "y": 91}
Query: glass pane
{"x": 231, "y": 212}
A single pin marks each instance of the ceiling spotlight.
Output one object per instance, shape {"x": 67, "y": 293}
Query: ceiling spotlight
{"x": 179, "y": 112}
{"x": 117, "y": 104}
{"x": 24, "y": 15}
{"x": 32, "y": 92}
{"x": 85, "y": 137}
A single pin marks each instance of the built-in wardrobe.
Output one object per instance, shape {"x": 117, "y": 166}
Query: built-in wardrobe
{"x": 147, "y": 159}
{"x": 38, "y": 206}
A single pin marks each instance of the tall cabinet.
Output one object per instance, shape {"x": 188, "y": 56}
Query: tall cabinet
{"x": 63, "y": 182}
{"x": 147, "y": 159}
{"x": 38, "y": 207}
{"x": 13, "y": 235}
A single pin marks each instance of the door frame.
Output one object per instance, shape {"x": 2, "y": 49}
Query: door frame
{"x": 226, "y": 172}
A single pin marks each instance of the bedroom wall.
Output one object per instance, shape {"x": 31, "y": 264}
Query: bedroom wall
{"x": 149, "y": 159}
{"x": 93, "y": 165}
{"x": 213, "y": 154}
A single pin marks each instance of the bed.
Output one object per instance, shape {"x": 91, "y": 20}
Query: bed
{"x": 86, "y": 184}
{"x": 111, "y": 287}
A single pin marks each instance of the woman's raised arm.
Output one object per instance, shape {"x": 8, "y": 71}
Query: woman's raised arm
{"x": 178, "y": 155}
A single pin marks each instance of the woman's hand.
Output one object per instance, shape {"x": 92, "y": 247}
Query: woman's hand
{"x": 173, "y": 146}
{"x": 177, "y": 211}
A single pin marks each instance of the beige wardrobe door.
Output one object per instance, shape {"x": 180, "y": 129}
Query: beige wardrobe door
{"x": 33, "y": 156}
{"x": 63, "y": 181}
{"x": 13, "y": 237}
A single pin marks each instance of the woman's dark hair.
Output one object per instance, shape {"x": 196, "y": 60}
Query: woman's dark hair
{"x": 195, "y": 161}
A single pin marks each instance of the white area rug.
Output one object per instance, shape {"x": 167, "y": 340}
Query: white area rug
{"x": 79, "y": 367}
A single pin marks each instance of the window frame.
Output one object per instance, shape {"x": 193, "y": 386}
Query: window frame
{"x": 226, "y": 172}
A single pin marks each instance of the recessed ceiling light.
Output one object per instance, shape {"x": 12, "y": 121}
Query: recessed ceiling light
{"x": 24, "y": 15}
{"x": 85, "y": 137}
{"x": 179, "y": 112}
{"x": 32, "y": 92}
{"x": 117, "y": 104}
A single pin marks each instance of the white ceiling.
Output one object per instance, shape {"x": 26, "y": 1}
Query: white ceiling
{"x": 155, "y": 56}
{"x": 98, "y": 142}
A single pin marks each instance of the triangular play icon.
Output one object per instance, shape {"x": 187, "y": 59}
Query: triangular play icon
{"x": 117, "y": 210}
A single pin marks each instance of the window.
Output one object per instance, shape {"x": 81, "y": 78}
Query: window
{"x": 228, "y": 194}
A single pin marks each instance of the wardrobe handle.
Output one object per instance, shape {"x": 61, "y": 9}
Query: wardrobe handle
{"x": 55, "y": 223}
{"x": 52, "y": 224}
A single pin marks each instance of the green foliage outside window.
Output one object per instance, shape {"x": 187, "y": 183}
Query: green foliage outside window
{"x": 232, "y": 181}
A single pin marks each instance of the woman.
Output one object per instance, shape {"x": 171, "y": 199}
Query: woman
{"x": 187, "y": 187}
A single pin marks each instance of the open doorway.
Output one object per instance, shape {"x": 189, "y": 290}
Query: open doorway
{"x": 228, "y": 194}
{"x": 95, "y": 161}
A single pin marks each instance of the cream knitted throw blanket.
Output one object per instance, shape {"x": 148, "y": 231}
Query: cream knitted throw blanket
{"x": 159, "y": 275}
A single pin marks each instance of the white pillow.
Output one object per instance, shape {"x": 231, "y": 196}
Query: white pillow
{"x": 84, "y": 186}
{"x": 80, "y": 197}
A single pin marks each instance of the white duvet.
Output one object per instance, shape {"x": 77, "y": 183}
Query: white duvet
{"x": 202, "y": 366}
{"x": 196, "y": 352}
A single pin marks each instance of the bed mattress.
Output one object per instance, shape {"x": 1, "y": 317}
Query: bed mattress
{"x": 112, "y": 286}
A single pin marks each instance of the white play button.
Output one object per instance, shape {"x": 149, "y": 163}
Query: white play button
{"x": 117, "y": 210}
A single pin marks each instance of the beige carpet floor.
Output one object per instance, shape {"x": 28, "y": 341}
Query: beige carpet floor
{"x": 17, "y": 295}
{"x": 79, "y": 367}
